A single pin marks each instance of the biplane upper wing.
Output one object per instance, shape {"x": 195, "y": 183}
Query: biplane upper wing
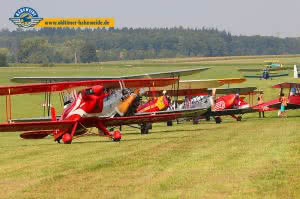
{"x": 205, "y": 83}
{"x": 60, "y": 86}
{"x": 193, "y": 84}
{"x": 232, "y": 80}
{"x": 286, "y": 85}
{"x": 261, "y": 69}
{"x": 250, "y": 69}
{"x": 36, "y": 126}
{"x": 270, "y": 75}
{"x": 193, "y": 87}
{"x": 175, "y": 73}
{"x": 154, "y": 117}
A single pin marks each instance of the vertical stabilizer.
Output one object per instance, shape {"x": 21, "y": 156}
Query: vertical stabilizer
{"x": 295, "y": 71}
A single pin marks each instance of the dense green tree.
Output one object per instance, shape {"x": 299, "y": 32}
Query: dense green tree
{"x": 88, "y": 53}
{"x": 67, "y": 45}
{"x": 3, "y": 60}
{"x": 35, "y": 50}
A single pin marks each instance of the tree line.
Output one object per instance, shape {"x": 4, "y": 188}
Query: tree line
{"x": 65, "y": 45}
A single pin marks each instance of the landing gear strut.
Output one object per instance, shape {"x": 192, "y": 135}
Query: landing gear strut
{"x": 145, "y": 128}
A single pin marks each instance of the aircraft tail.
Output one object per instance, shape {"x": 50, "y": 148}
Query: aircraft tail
{"x": 296, "y": 72}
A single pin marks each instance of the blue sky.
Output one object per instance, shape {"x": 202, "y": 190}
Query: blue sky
{"x": 255, "y": 17}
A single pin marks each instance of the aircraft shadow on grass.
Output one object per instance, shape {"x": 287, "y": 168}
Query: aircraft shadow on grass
{"x": 143, "y": 138}
{"x": 137, "y": 139}
{"x": 172, "y": 131}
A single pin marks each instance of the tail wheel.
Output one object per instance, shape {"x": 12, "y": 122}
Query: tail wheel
{"x": 218, "y": 120}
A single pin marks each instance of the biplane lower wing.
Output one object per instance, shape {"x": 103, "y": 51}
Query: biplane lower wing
{"x": 36, "y": 126}
{"x": 45, "y": 126}
{"x": 253, "y": 76}
{"x": 232, "y": 112}
{"x": 270, "y": 75}
{"x": 289, "y": 106}
{"x": 182, "y": 92}
{"x": 279, "y": 75}
{"x": 153, "y": 117}
{"x": 33, "y": 119}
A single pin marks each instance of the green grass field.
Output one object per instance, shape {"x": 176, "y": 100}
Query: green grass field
{"x": 254, "y": 158}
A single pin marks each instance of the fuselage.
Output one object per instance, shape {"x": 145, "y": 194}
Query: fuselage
{"x": 87, "y": 104}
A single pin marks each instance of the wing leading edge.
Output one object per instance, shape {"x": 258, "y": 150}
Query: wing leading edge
{"x": 60, "y": 86}
{"x": 175, "y": 73}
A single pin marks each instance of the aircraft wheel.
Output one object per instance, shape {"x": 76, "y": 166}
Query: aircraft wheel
{"x": 117, "y": 136}
{"x": 218, "y": 120}
{"x": 207, "y": 118}
{"x": 145, "y": 128}
{"x": 239, "y": 118}
{"x": 195, "y": 121}
{"x": 169, "y": 123}
{"x": 67, "y": 138}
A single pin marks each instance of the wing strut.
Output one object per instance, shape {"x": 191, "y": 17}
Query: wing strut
{"x": 49, "y": 103}
{"x": 8, "y": 106}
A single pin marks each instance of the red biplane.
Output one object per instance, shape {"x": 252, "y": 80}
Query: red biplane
{"x": 293, "y": 98}
{"x": 197, "y": 95}
{"x": 102, "y": 104}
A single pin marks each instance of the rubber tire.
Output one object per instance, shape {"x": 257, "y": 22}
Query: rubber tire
{"x": 207, "y": 118}
{"x": 218, "y": 120}
{"x": 195, "y": 121}
{"x": 169, "y": 123}
{"x": 145, "y": 128}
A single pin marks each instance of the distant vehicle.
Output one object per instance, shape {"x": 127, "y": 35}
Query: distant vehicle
{"x": 272, "y": 64}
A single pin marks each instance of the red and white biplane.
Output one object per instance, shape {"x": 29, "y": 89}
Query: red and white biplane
{"x": 102, "y": 104}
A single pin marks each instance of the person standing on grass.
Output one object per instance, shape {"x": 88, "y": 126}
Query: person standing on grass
{"x": 260, "y": 100}
{"x": 283, "y": 106}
